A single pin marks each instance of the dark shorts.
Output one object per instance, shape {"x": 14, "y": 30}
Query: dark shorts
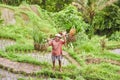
{"x": 56, "y": 57}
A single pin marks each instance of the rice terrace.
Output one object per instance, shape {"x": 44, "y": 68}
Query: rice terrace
{"x": 59, "y": 39}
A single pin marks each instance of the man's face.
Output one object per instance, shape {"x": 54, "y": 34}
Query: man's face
{"x": 57, "y": 38}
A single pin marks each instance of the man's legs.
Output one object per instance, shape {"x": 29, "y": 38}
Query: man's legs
{"x": 60, "y": 66}
{"x": 60, "y": 62}
{"x": 54, "y": 65}
{"x": 53, "y": 61}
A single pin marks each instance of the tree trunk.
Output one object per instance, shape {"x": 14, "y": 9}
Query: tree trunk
{"x": 44, "y": 3}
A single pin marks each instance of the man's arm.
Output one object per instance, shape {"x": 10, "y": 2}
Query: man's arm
{"x": 64, "y": 37}
{"x": 49, "y": 42}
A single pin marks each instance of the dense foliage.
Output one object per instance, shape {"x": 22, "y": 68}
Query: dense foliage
{"x": 102, "y": 15}
{"x": 108, "y": 20}
{"x": 68, "y": 18}
{"x": 50, "y": 5}
{"x": 112, "y": 18}
{"x": 115, "y": 36}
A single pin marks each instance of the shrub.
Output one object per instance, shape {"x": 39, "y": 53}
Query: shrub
{"x": 115, "y": 36}
{"x": 69, "y": 17}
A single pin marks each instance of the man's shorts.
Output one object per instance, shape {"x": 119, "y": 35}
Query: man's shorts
{"x": 56, "y": 57}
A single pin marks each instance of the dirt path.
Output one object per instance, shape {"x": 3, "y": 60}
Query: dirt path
{"x": 73, "y": 61}
{"x": 18, "y": 67}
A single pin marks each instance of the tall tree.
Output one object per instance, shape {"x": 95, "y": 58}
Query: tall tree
{"x": 90, "y": 8}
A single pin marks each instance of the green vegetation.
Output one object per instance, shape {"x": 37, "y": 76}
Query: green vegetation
{"x": 68, "y": 18}
{"x": 97, "y": 30}
{"x": 101, "y": 71}
{"x": 113, "y": 44}
{"x": 115, "y": 36}
{"x": 50, "y": 5}
{"x": 22, "y": 58}
{"x": 47, "y": 71}
{"x": 95, "y": 63}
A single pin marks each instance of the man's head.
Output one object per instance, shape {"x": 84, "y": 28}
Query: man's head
{"x": 57, "y": 37}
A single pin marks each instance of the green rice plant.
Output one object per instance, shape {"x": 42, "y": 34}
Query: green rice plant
{"x": 20, "y": 47}
{"x": 92, "y": 45}
{"x": 100, "y": 72}
{"x": 22, "y": 58}
{"x": 108, "y": 55}
{"x": 112, "y": 44}
{"x": 76, "y": 56}
{"x": 21, "y": 79}
{"x": 80, "y": 78}
{"x": 56, "y": 74}
{"x": 15, "y": 32}
{"x": 69, "y": 71}
{"x": 66, "y": 78}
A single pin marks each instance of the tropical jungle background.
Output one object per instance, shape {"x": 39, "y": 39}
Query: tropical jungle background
{"x": 92, "y": 51}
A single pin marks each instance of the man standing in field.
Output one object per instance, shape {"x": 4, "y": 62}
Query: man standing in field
{"x": 57, "y": 44}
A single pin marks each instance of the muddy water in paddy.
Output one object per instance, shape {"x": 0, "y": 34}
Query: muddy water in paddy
{"x": 47, "y": 58}
{"x": 5, "y": 43}
{"x": 117, "y": 51}
{"x": 39, "y": 56}
{"x": 5, "y": 75}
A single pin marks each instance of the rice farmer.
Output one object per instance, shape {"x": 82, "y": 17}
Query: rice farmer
{"x": 57, "y": 44}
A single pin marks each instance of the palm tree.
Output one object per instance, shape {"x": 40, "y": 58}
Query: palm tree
{"x": 90, "y": 8}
